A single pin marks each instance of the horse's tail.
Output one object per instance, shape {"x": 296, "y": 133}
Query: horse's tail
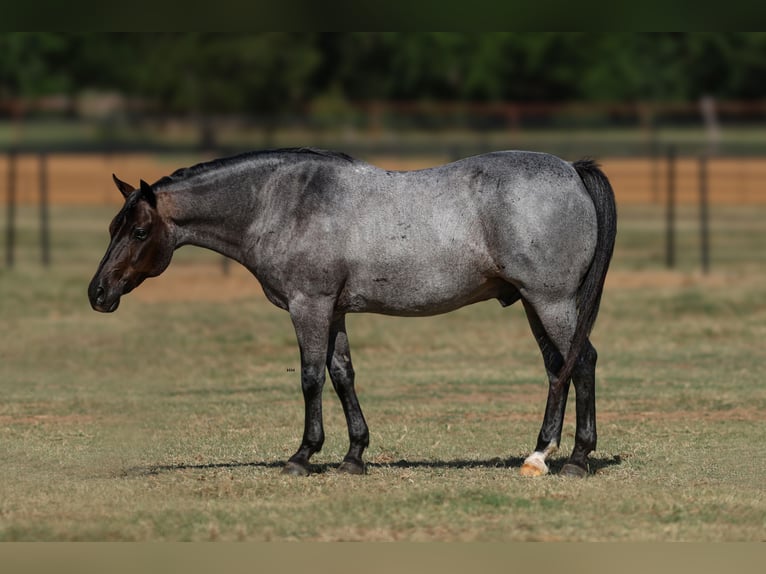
{"x": 592, "y": 286}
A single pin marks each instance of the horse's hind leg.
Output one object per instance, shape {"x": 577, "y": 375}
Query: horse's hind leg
{"x": 550, "y": 433}
{"x": 584, "y": 377}
{"x": 342, "y": 376}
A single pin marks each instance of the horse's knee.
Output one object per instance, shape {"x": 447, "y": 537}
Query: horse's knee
{"x": 341, "y": 373}
{"x": 312, "y": 378}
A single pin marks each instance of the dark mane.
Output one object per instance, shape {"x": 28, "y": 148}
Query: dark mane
{"x": 187, "y": 172}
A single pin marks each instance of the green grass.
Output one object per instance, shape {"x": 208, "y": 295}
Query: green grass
{"x": 170, "y": 420}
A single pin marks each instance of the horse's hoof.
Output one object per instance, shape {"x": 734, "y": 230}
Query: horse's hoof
{"x": 573, "y": 471}
{"x": 295, "y": 469}
{"x": 533, "y": 466}
{"x": 351, "y": 467}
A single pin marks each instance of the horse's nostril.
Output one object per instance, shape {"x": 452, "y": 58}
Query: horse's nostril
{"x": 100, "y": 295}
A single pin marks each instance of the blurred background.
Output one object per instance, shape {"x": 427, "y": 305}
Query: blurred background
{"x": 676, "y": 119}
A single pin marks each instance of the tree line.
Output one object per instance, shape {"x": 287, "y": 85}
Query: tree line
{"x": 271, "y": 73}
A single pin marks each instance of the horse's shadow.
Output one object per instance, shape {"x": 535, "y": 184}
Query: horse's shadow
{"x": 596, "y": 464}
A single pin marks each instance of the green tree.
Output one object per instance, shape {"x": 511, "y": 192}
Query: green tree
{"x": 34, "y": 64}
{"x": 267, "y": 75}
{"x": 201, "y": 74}
{"x": 525, "y": 66}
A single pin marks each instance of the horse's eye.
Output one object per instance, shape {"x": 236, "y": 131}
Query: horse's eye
{"x": 140, "y": 233}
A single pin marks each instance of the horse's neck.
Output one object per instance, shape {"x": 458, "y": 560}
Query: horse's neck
{"x": 213, "y": 216}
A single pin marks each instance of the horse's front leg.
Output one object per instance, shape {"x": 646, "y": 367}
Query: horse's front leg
{"x": 311, "y": 319}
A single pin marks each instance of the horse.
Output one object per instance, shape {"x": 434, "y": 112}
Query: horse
{"x": 326, "y": 235}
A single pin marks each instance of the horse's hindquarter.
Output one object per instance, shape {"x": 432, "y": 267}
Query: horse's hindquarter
{"x": 431, "y": 241}
{"x": 544, "y": 230}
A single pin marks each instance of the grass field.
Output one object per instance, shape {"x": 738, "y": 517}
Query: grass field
{"x": 170, "y": 419}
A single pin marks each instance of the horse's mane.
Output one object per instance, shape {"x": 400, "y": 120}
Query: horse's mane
{"x": 204, "y": 167}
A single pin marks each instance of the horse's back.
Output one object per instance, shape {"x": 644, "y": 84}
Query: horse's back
{"x": 503, "y": 207}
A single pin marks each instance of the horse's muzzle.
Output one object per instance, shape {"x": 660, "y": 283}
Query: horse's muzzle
{"x": 100, "y": 300}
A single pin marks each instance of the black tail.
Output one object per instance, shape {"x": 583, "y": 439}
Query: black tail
{"x": 589, "y": 294}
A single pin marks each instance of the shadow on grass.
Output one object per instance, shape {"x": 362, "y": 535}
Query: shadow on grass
{"x": 595, "y": 463}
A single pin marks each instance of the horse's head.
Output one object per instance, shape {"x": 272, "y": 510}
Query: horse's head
{"x": 141, "y": 246}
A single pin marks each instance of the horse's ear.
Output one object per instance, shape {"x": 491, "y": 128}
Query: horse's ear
{"x": 147, "y": 193}
{"x": 125, "y": 188}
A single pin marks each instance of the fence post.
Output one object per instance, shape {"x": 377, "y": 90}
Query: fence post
{"x": 654, "y": 157}
{"x": 45, "y": 237}
{"x": 10, "y": 230}
{"x": 704, "y": 215}
{"x": 670, "y": 246}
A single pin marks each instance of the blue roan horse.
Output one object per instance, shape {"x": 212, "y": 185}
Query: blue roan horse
{"x": 328, "y": 235}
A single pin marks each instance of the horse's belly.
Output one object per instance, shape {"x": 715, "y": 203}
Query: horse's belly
{"x": 419, "y": 296}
